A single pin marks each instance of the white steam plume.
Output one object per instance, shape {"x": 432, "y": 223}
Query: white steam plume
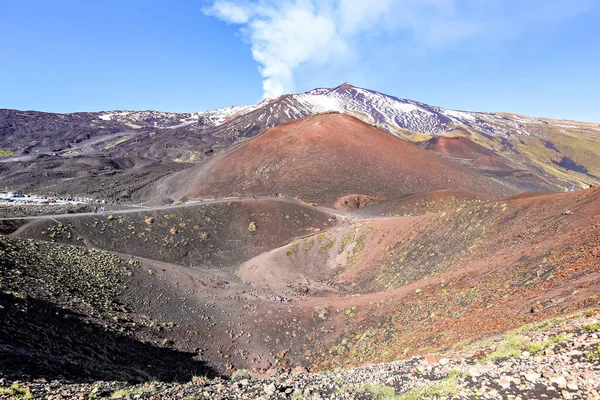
{"x": 284, "y": 34}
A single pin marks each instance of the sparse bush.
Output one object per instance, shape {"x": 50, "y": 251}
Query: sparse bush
{"x": 16, "y": 391}
{"x": 593, "y": 355}
{"x": 538, "y": 347}
{"x": 443, "y": 389}
{"x": 240, "y": 374}
{"x": 379, "y": 392}
{"x": 252, "y": 226}
{"x": 509, "y": 347}
{"x": 126, "y": 393}
{"x": 122, "y": 393}
{"x": 592, "y": 327}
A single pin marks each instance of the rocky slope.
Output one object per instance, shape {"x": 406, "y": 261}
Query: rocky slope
{"x": 559, "y": 359}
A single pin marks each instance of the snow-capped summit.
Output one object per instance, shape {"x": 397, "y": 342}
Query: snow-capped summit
{"x": 390, "y": 113}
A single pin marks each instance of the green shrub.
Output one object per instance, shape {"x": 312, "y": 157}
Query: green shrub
{"x": 16, "y": 391}
{"x": 593, "y": 355}
{"x": 509, "y": 347}
{"x": 240, "y": 374}
{"x": 592, "y": 327}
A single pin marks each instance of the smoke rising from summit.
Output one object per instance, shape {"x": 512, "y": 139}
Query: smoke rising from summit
{"x": 286, "y": 34}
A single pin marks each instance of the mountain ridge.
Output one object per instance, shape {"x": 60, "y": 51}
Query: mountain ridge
{"x": 562, "y": 152}
{"x": 315, "y": 91}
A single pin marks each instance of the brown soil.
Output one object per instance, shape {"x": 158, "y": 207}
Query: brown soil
{"x": 458, "y": 146}
{"x": 361, "y": 290}
{"x": 426, "y": 203}
{"x": 471, "y": 155}
{"x": 353, "y": 202}
{"x": 322, "y": 157}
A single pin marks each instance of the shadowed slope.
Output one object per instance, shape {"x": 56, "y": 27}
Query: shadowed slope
{"x": 322, "y": 157}
{"x": 63, "y": 318}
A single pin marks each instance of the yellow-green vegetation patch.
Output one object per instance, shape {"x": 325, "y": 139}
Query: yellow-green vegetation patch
{"x": 447, "y": 387}
{"x": 359, "y": 244}
{"x": 79, "y": 275}
{"x": 538, "y": 347}
{"x": 584, "y": 149}
{"x": 411, "y": 136}
{"x": 592, "y": 327}
{"x": 581, "y": 148}
{"x": 593, "y": 355}
{"x": 327, "y": 245}
{"x": 6, "y": 153}
{"x": 513, "y": 345}
{"x": 308, "y": 243}
{"x": 186, "y": 159}
{"x": 133, "y": 126}
{"x": 16, "y": 391}
{"x": 525, "y": 330}
{"x": 128, "y": 393}
{"x": 350, "y": 312}
{"x": 347, "y": 239}
{"x": 240, "y": 374}
{"x": 117, "y": 142}
{"x": 73, "y": 151}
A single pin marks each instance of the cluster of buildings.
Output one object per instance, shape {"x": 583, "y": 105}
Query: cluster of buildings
{"x": 8, "y": 197}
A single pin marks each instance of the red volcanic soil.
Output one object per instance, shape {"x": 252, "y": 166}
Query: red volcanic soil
{"x": 526, "y": 195}
{"x": 323, "y": 157}
{"x": 456, "y": 147}
{"x": 425, "y": 283}
{"x": 426, "y": 203}
{"x": 462, "y": 147}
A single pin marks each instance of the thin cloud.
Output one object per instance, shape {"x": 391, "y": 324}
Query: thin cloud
{"x": 286, "y": 34}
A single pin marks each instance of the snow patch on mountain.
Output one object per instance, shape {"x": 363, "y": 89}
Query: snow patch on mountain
{"x": 387, "y": 112}
{"x": 169, "y": 120}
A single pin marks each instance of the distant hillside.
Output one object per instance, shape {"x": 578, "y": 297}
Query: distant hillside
{"x": 103, "y": 152}
{"x": 323, "y": 157}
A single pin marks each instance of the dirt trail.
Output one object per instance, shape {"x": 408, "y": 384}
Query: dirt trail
{"x": 191, "y": 204}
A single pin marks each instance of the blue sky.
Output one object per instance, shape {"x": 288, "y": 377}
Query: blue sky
{"x": 534, "y": 57}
